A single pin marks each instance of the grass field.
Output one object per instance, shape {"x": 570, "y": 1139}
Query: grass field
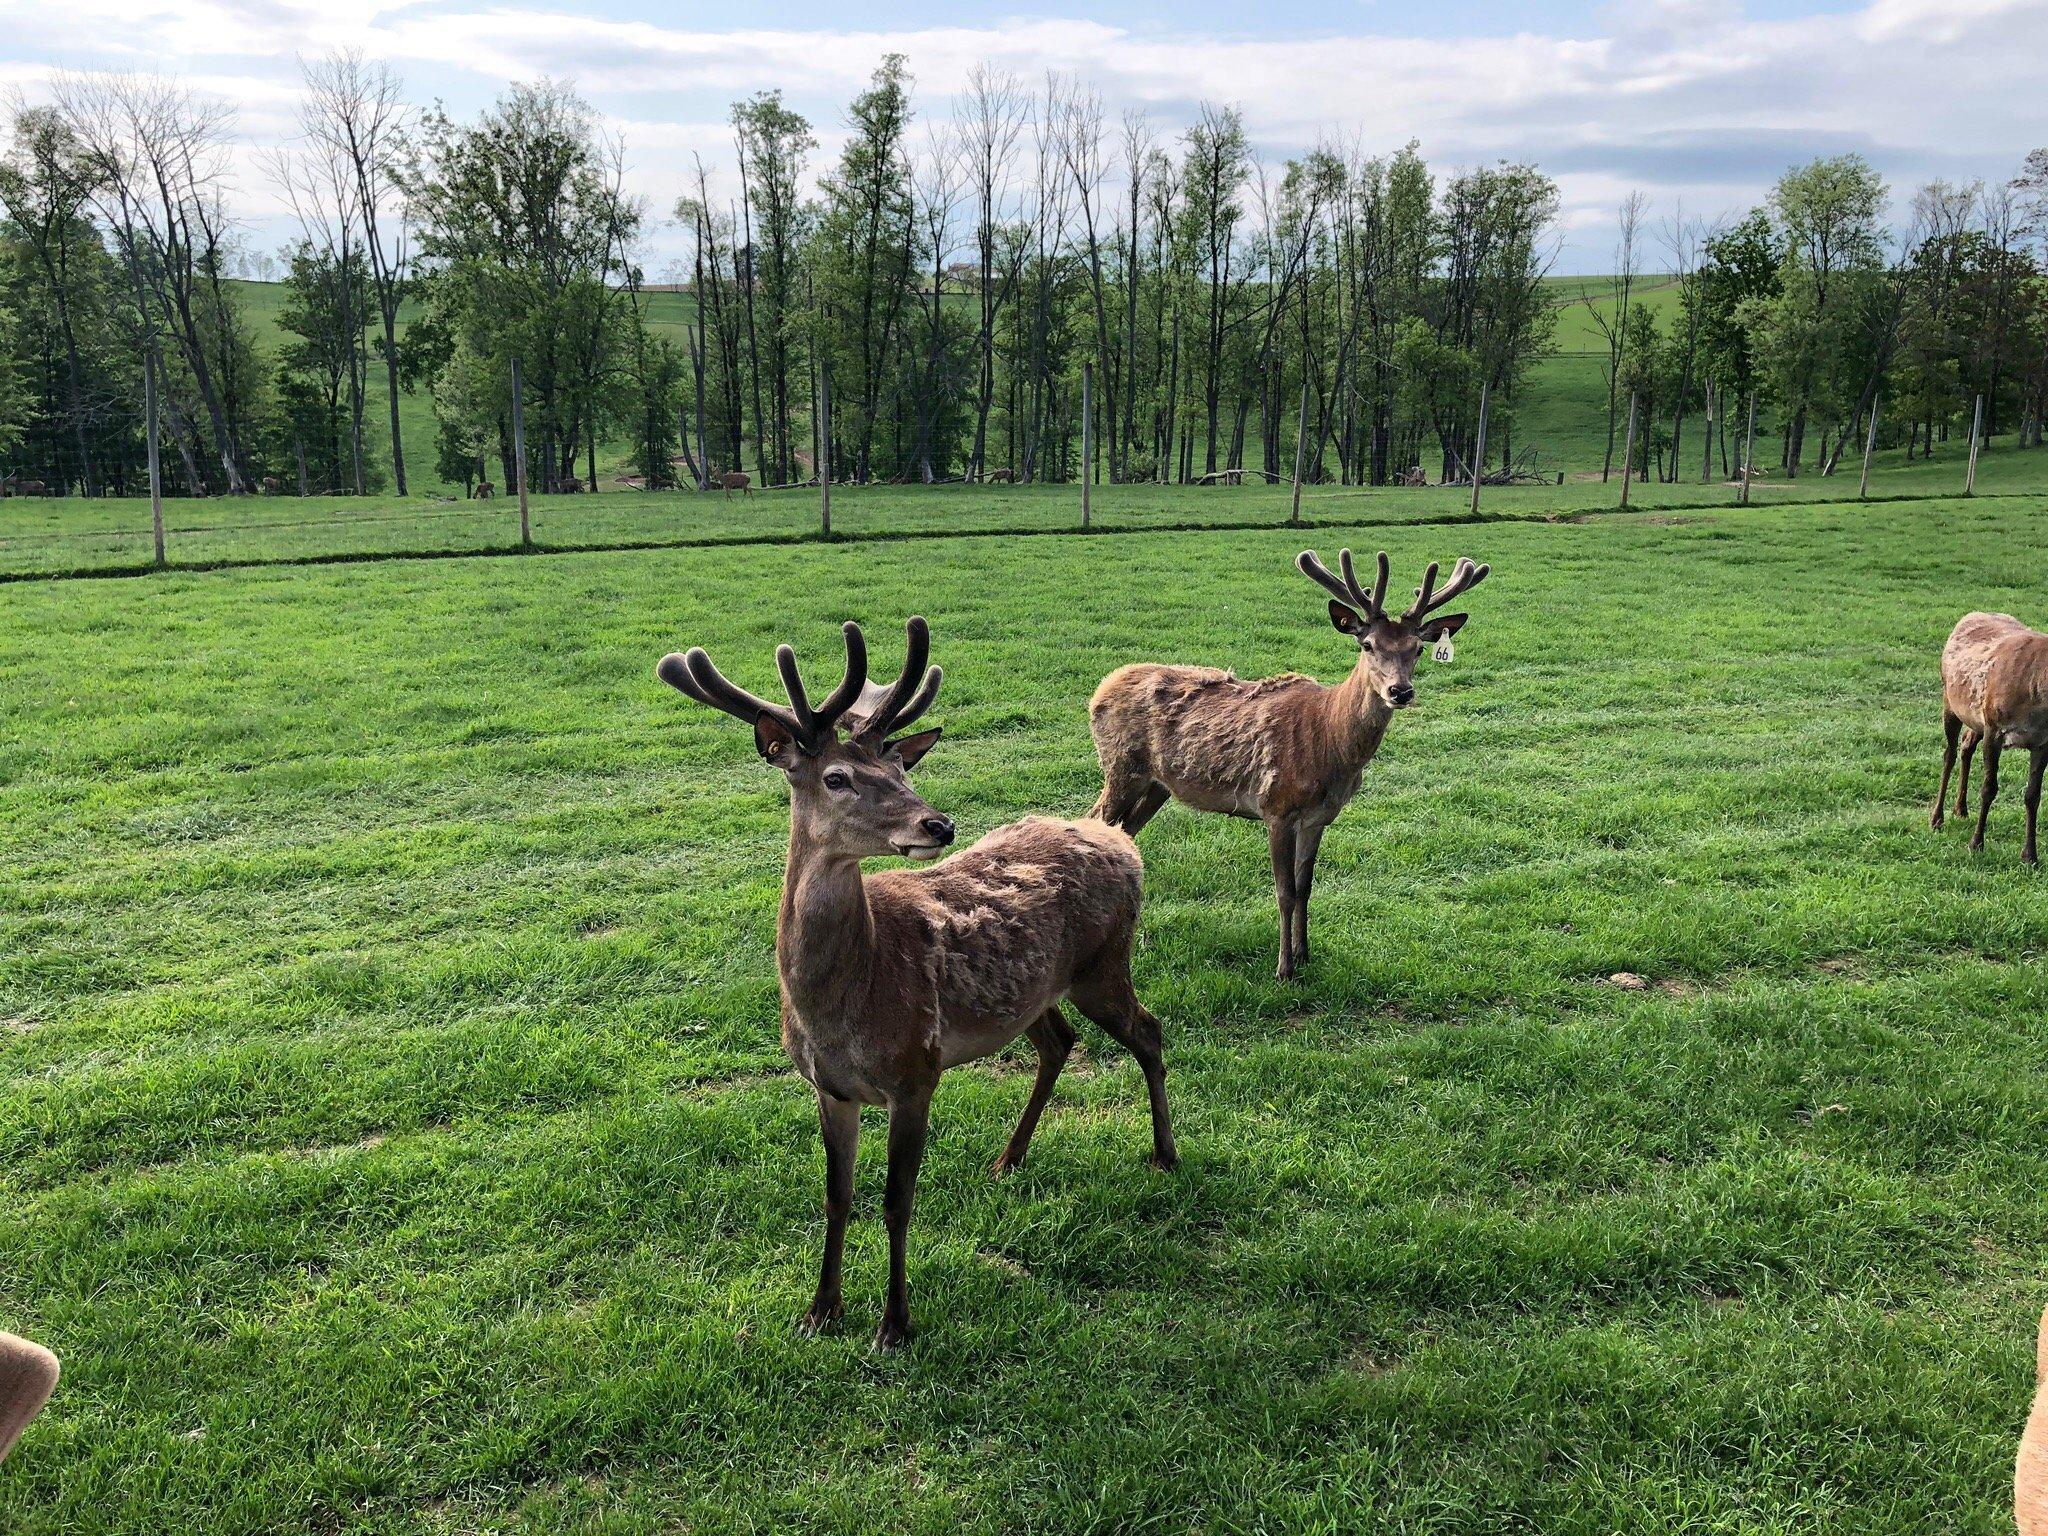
{"x": 63, "y": 536}
{"x": 394, "y": 1134}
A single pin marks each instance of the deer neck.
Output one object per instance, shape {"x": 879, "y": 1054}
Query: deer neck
{"x": 1358, "y": 716}
{"x": 825, "y": 932}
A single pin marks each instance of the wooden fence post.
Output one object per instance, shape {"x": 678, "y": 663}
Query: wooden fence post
{"x": 1749, "y": 449}
{"x": 156, "y": 473}
{"x": 1976, "y": 430}
{"x": 825, "y": 452}
{"x": 1628, "y": 452}
{"x": 1479, "y": 451}
{"x": 1300, "y": 447}
{"x": 1869, "y": 443}
{"x": 519, "y": 459}
{"x": 1087, "y": 436}
{"x": 1707, "y": 450}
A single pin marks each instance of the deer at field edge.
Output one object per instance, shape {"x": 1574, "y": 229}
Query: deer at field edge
{"x": 1284, "y": 750}
{"x": 1994, "y": 694}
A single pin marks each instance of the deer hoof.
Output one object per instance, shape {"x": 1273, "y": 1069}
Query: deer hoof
{"x": 1935, "y": 821}
{"x": 1003, "y": 1165}
{"x": 821, "y": 1316}
{"x": 1166, "y": 1161}
{"x": 1976, "y": 845}
{"x": 893, "y": 1334}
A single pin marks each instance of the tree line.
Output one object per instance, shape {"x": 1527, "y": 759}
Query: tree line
{"x": 947, "y": 282}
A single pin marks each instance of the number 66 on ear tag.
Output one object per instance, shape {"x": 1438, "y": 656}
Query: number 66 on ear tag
{"x": 1443, "y": 651}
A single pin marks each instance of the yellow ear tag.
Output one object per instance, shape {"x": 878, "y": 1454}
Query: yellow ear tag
{"x": 1443, "y": 651}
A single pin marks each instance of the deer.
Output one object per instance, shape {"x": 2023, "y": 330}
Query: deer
{"x": 1994, "y": 694}
{"x": 889, "y": 979}
{"x": 1284, "y": 750}
{"x": 484, "y": 491}
{"x": 2030, "y": 1470}
{"x": 28, "y": 1374}
{"x": 730, "y": 481}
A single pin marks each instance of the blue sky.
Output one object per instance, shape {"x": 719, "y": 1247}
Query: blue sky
{"x": 1699, "y": 104}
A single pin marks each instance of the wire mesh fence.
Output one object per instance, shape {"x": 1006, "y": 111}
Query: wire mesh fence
{"x": 59, "y": 536}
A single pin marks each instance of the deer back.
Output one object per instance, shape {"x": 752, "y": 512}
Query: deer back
{"x": 1994, "y": 675}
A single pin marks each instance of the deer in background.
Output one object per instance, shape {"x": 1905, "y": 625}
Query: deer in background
{"x": 1994, "y": 694}
{"x": 889, "y": 979}
{"x": 1284, "y": 750}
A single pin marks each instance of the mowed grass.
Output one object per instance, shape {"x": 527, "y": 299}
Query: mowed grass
{"x": 57, "y": 536}
{"x": 394, "y": 1134}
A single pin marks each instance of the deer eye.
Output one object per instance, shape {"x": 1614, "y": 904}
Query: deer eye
{"x": 838, "y": 779}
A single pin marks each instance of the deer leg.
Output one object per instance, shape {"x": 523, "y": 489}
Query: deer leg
{"x": 839, "y": 1125}
{"x": 1280, "y": 842}
{"x": 1951, "y": 728}
{"x": 1308, "y": 842}
{"x": 908, "y": 1121}
{"x": 1963, "y": 783}
{"x": 1154, "y": 796}
{"x": 1053, "y": 1038}
{"x": 1107, "y": 998}
{"x": 1989, "y": 792}
{"x": 2032, "y": 799}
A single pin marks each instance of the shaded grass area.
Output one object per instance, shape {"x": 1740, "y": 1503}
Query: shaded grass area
{"x": 58, "y": 536}
{"x": 394, "y": 1135}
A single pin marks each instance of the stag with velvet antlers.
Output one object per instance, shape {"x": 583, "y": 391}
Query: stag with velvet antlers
{"x": 889, "y": 979}
{"x": 1284, "y": 750}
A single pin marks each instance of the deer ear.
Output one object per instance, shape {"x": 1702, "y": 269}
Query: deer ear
{"x": 1443, "y": 624}
{"x": 908, "y": 749}
{"x": 774, "y": 742}
{"x": 1346, "y": 620}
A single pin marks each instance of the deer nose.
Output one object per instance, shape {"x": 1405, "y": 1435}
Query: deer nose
{"x": 1401, "y": 693}
{"x": 940, "y": 828}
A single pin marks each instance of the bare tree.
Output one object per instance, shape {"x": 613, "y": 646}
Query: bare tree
{"x": 1612, "y": 320}
{"x": 990, "y": 118}
{"x": 354, "y": 109}
{"x": 318, "y": 180}
{"x": 1081, "y": 148}
{"x": 936, "y": 186}
{"x": 1685, "y": 240}
{"x": 160, "y": 157}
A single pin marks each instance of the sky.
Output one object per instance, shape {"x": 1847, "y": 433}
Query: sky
{"x": 1699, "y": 104}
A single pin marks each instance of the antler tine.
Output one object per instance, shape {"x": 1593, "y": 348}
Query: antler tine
{"x": 842, "y": 698}
{"x": 920, "y": 701}
{"x": 1464, "y": 576}
{"x": 907, "y": 684}
{"x": 1345, "y": 591}
{"x": 1428, "y": 585}
{"x": 793, "y": 685}
{"x": 713, "y": 689}
{"x": 1379, "y": 586}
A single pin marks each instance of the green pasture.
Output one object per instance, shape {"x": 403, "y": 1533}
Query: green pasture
{"x": 70, "y": 535}
{"x": 394, "y": 1134}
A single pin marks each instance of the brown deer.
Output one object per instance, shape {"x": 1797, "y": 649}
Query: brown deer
{"x": 28, "y": 1374}
{"x": 2030, "y": 1471}
{"x": 889, "y": 979}
{"x": 1285, "y": 750}
{"x": 732, "y": 480}
{"x": 483, "y": 492}
{"x": 1994, "y": 694}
